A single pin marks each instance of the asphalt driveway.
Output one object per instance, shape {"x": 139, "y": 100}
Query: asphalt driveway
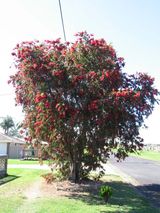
{"x": 145, "y": 172}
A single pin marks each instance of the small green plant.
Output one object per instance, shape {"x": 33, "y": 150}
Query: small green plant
{"x": 105, "y": 192}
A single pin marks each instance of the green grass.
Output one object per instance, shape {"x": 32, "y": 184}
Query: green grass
{"x": 13, "y": 186}
{"x": 30, "y": 162}
{"x": 18, "y": 179}
{"x": 65, "y": 205}
{"x": 150, "y": 155}
{"x": 12, "y": 200}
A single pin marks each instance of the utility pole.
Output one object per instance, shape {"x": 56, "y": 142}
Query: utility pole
{"x": 64, "y": 34}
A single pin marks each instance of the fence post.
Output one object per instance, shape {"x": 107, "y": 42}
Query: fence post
{"x": 3, "y": 165}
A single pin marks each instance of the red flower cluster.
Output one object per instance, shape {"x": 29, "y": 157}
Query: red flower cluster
{"x": 39, "y": 97}
{"x": 93, "y": 105}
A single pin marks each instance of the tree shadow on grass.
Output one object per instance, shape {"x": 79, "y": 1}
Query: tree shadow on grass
{"x": 7, "y": 179}
{"x": 124, "y": 195}
{"x": 152, "y": 192}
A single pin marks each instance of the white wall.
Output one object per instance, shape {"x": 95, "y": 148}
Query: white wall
{"x": 3, "y": 148}
{"x": 15, "y": 150}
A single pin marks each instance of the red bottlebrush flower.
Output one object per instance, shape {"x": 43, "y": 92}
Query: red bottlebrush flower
{"x": 102, "y": 78}
{"x": 21, "y": 131}
{"x": 37, "y": 100}
{"x": 78, "y": 78}
{"x": 78, "y": 66}
{"x": 52, "y": 64}
{"x": 38, "y": 123}
{"x": 92, "y": 74}
{"x": 43, "y": 96}
{"x": 58, "y": 73}
{"x": 62, "y": 115}
{"x": 93, "y": 105}
{"x": 14, "y": 54}
{"x": 47, "y": 105}
{"x": 155, "y": 92}
{"x": 120, "y": 59}
{"x": 34, "y": 66}
{"x": 39, "y": 97}
{"x": 63, "y": 52}
{"x": 58, "y": 40}
{"x": 137, "y": 95}
{"x": 107, "y": 74}
{"x": 72, "y": 49}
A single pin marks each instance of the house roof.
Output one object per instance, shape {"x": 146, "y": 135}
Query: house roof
{"x": 8, "y": 139}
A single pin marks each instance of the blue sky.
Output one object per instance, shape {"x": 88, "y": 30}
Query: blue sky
{"x": 132, "y": 26}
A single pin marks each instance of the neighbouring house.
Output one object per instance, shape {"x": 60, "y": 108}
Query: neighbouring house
{"x": 12, "y": 147}
{"x": 33, "y": 151}
{"x": 152, "y": 147}
{"x": 16, "y": 148}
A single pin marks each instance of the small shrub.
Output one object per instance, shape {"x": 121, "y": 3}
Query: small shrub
{"x": 105, "y": 192}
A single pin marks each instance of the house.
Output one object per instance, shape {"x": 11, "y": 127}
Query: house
{"x": 16, "y": 148}
{"x": 32, "y": 151}
{"x": 13, "y": 147}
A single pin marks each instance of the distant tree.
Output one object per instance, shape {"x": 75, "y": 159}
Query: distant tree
{"x": 7, "y": 124}
{"x": 76, "y": 97}
{"x": 15, "y": 130}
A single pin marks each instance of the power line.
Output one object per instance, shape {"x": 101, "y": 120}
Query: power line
{"x": 62, "y": 20}
{"x": 6, "y": 94}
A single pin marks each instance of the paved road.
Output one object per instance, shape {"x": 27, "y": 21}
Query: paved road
{"x": 145, "y": 172}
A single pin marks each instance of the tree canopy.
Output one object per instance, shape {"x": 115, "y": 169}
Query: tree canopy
{"x": 7, "y": 124}
{"x": 10, "y": 127}
{"x": 77, "y": 98}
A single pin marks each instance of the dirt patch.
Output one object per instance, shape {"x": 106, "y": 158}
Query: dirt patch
{"x": 34, "y": 191}
{"x": 63, "y": 188}
{"x": 67, "y": 188}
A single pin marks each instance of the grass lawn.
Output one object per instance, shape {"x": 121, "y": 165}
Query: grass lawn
{"x": 18, "y": 161}
{"x": 150, "y": 155}
{"x": 13, "y": 200}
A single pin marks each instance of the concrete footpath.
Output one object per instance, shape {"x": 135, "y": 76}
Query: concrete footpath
{"x": 109, "y": 169}
{"x": 29, "y": 166}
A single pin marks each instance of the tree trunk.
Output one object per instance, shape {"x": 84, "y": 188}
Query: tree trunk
{"x": 75, "y": 167}
{"x": 75, "y": 172}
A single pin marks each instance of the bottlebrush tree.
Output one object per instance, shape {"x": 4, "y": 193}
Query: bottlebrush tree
{"x": 76, "y": 97}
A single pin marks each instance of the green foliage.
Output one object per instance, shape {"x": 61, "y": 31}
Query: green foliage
{"x": 105, "y": 192}
{"x": 77, "y": 98}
